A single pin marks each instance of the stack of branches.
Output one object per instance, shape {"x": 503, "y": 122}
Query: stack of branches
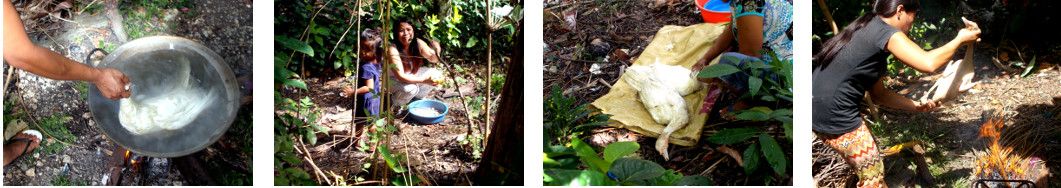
{"x": 1032, "y": 133}
{"x": 44, "y": 16}
{"x": 830, "y": 169}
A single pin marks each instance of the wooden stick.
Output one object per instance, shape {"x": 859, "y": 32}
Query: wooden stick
{"x": 22, "y": 102}
{"x": 7, "y": 82}
{"x": 309, "y": 158}
{"x": 828, "y": 16}
{"x": 357, "y": 70}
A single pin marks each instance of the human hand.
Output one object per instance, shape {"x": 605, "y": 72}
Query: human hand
{"x": 437, "y": 79}
{"x": 926, "y": 105}
{"x": 112, "y": 83}
{"x": 971, "y": 32}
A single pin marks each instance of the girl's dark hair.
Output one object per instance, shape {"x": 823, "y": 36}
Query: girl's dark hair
{"x": 374, "y": 40}
{"x": 414, "y": 48}
{"x": 833, "y": 46}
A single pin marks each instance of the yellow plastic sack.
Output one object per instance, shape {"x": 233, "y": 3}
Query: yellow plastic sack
{"x": 672, "y": 45}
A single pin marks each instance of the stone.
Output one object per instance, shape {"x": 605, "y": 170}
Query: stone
{"x": 170, "y": 14}
{"x": 86, "y": 115}
{"x": 31, "y": 172}
{"x": 66, "y": 158}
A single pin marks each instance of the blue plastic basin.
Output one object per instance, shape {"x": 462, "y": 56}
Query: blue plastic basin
{"x": 439, "y": 106}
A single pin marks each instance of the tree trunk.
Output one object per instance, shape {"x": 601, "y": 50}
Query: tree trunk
{"x": 502, "y": 162}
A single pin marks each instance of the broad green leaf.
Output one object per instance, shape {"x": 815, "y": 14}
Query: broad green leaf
{"x": 788, "y": 130}
{"x": 287, "y": 145}
{"x": 773, "y": 153}
{"x": 281, "y": 181}
{"x": 694, "y": 180}
{"x": 577, "y": 178}
{"x": 296, "y": 173}
{"x": 296, "y": 83}
{"x": 631, "y": 170}
{"x": 310, "y": 136}
{"x": 754, "y": 83}
{"x": 392, "y": 161}
{"x": 294, "y": 44}
{"x": 780, "y": 112}
{"x": 589, "y": 157}
{"x": 717, "y": 70}
{"x": 753, "y": 115}
{"x": 731, "y": 136}
{"x": 413, "y": 180}
{"x": 667, "y": 179}
{"x": 751, "y": 158}
{"x": 290, "y": 158}
{"x": 471, "y": 42}
{"x": 320, "y": 128}
{"x": 619, "y": 149}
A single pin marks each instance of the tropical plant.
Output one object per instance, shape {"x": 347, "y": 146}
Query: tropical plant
{"x": 778, "y": 114}
{"x": 563, "y": 119}
{"x": 561, "y": 167}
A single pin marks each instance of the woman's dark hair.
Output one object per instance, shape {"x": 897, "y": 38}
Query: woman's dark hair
{"x": 374, "y": 40}
{"x": 833, "y": 46}
{"x": 414, "y": 48}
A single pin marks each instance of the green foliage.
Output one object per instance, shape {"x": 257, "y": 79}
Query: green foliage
{"x": 296, "y": 123}
{"x": 82, "y": 87}
{"x": 10, "y": 113}
{"x": 54, "y": 125}
{"x": 475, "y": 141}
{"x": 564, "y": 119}
{"x": 143, "y": 16}
{"x": 1031, "y": 69}
{"x": 64, "y": 180}
{"x": 460, "y": 27}
{"x": 766, "y": 148}
{"x": 561, "y": 167}
{"x": 497, "y": 80}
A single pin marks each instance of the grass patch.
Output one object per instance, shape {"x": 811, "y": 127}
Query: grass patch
{"x": 82, "y": 86}
{"x": 63, "y": 180}
{"x": 144, "y": 17}
{"x": 55, "y": 126}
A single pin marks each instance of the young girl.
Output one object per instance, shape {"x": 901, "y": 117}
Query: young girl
{"x": 852, "y": 62}
{"x": 369, "y": 77}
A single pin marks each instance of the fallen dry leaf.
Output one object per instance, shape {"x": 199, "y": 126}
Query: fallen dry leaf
{"x": 732, "y": 153}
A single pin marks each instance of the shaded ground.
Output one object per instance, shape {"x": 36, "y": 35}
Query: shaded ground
{"x": 436, "y": 153}
{"x": 225, "y": 27}
{"x": 629, "y": 26}
{"x": 1029, "y": 107}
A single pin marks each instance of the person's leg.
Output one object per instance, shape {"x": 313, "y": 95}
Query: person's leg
{"x": 861, "y": 152}
{"x": 19, "y": 146}
{"x": 402, "y": 93}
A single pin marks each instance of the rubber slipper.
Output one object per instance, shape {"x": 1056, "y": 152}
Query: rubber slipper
{"x": 28, "y": 141}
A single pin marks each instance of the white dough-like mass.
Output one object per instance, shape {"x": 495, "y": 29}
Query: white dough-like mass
{"x": 174, "y": 109}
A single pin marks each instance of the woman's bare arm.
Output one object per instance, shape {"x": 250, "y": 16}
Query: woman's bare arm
{"x": 913, "y": 55}
{"x": 398, "y": 70}
{"x": 23, "y": 54}
{"x": 892, "y": 99}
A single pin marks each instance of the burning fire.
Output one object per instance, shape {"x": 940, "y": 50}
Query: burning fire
{"x": 998, "y": 162}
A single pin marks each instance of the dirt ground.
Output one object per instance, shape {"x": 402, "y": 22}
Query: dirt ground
{"x": 629, "y": 26}
{"x": 225, "y": 27}
{"x": 435, "y": 152}
{"x": 1028, "y": 106}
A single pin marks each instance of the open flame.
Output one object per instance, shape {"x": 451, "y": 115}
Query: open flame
{"x": 998, "y": 162}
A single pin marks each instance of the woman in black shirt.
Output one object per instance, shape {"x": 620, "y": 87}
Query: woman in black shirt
{"x": 852, "y": 63}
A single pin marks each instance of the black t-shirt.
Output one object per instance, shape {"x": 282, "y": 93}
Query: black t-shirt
{"x": 839, "y": 87}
